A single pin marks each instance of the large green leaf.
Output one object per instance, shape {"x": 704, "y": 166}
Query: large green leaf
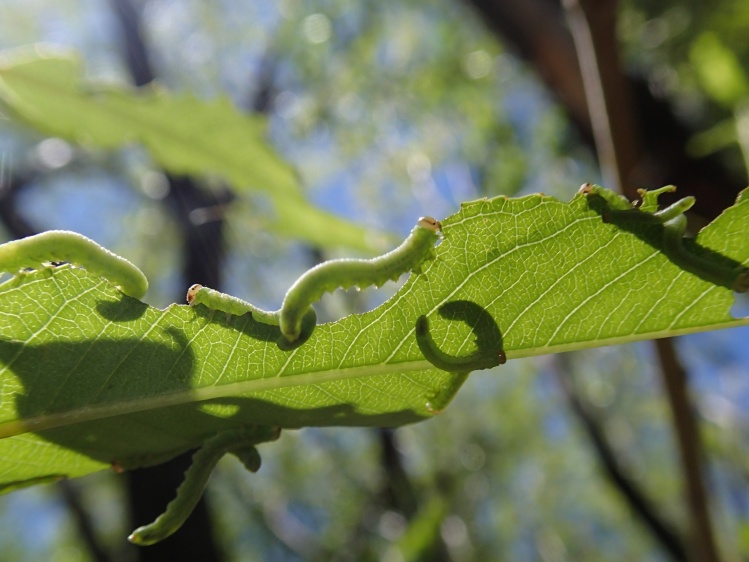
{"x": 91, "y": 377}
{"x": 183, "y": 134}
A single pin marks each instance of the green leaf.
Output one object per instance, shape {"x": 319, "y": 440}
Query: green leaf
{"x": 183, "y": 134}
{"x": 92, "y": 378}
{"x": 719, "y": 69}
{"x": 421, "y": 536}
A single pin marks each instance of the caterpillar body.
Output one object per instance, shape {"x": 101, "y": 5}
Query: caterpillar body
{"x": 296, "y": 317}
{"x": 674, "y": 227}
{"x": 66, "y": 246}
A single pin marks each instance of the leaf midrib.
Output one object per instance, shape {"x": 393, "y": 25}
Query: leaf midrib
{"x": 201, "y": 394}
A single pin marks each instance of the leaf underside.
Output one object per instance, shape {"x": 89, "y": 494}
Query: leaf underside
{"x": 91, "y": 378}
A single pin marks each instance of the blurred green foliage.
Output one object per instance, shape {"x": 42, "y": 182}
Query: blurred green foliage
{"x": 387, "y": 109}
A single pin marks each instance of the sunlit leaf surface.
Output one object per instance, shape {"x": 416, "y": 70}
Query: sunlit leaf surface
{"x": 91, "y": 377}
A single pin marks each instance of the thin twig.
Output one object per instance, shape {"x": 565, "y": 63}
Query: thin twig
{"x": 635, "y": 496}
{"x": 593, "y": 25}
{"x": 690, "y": 451}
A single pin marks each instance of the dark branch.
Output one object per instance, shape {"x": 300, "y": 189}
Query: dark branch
{"x": 635, "y": 497}
{"x": 152, "y": 488}
{"x": 537, "y": 31}
{"x": 83, "y": 521}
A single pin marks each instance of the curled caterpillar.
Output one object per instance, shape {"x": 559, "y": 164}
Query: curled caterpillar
{"x": 296, "y": 317}
{"x": 451, "y": 363}
{"x": 66, "y": 246}
{"x": 346, "y": 273}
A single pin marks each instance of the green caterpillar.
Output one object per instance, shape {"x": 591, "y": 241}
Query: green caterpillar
{"x": 216, "y": 300}
{"x": 296, "y": 317}
{"x": 239, "y": 442}
{"x": 673, "y": 244}
{"x": 66, "y": 246}
{"x": 674, "y": 227}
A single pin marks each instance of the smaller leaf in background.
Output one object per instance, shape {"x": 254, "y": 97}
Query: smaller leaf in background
{"x": 719, "y": 70}
{"x": 183, "y": 134}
